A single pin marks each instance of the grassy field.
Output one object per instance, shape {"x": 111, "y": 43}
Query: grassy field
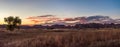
{"x": 60, "y": 38}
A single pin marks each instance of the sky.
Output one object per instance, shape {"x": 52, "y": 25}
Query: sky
{"x": 59, "y": 8}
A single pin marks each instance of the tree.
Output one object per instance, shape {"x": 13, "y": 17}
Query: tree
{"x": 12, "y": 23}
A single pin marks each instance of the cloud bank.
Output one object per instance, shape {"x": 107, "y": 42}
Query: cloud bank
{"x": 53, "y": 19}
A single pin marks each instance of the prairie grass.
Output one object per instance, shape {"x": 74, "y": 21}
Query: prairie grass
{"x": 61, "y": 38}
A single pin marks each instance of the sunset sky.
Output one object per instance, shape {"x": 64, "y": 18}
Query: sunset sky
{"x": 59, "y": 8}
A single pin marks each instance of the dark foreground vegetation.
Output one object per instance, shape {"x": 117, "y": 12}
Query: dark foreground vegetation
{"x": 76, "y": 26}
{"x": 106, "y": 37}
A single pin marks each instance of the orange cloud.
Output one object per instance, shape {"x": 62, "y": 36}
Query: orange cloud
{"x": 53, "y": 19}
{"x": 69, "y": 19}
{"x": 43, "y": 18}
{"x": 35, "y": 21}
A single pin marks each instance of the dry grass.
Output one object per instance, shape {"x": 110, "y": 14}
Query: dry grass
{"x": 61, "y": 38}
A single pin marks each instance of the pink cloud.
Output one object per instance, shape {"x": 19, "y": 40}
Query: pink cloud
{"x": 43, "y": 18}
{"x": 52, "y": 18}
{"x": 69, "y": 19}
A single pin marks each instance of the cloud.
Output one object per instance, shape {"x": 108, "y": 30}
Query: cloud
{"x": 69, "y": 19}
{"x": 46, "y": 16}
{"x": 38, "y": 17}
{"x": 31, "y": 18}
{"x": 43, "y": 18}
{"x": 54, "y": 19}
{"x": 97, "y": 17}
{"x": 35, "y": 21}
